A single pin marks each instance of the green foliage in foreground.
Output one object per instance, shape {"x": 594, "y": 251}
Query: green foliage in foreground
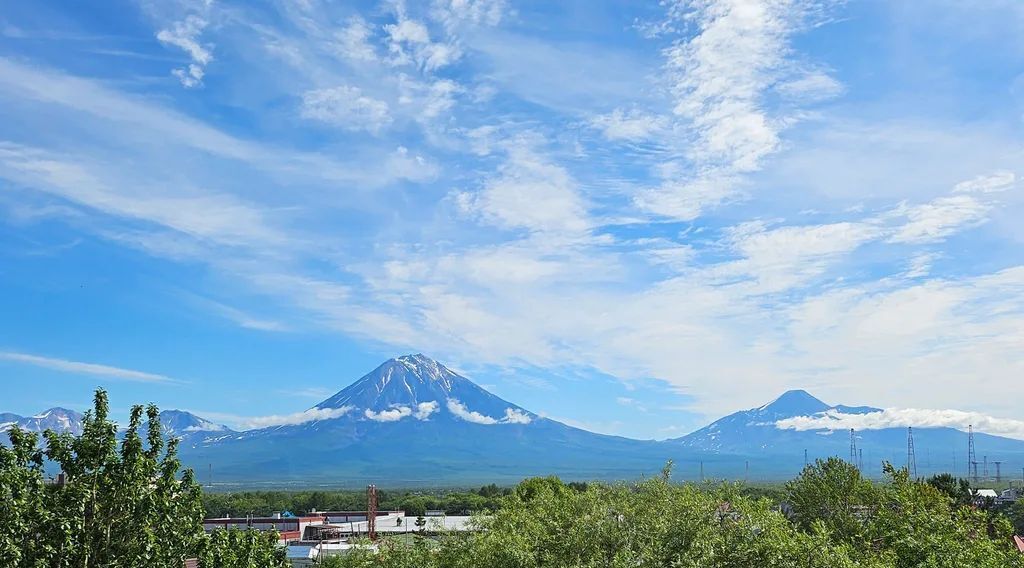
{"x": 839, "y": 520}
{"x": 123, "y": 504}
{"x": 264, "y": 503}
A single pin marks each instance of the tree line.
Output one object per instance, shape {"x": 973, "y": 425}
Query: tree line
{"x": 832, "y": 518}
{"x": 126, "y": 502}
{"x": 262, "y": 503}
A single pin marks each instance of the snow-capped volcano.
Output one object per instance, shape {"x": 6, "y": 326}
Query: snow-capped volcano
{"x": 418, "y": 388}
{"x": 414, "y": 421}
{"x": 179, "y": 423}
{"x": 754, "y": 430}
{"x": 56, "y": 419}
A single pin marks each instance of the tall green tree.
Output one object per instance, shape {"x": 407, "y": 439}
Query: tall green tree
{"x": 120, "y": 504}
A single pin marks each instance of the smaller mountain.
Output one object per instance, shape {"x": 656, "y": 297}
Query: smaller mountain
{"x": 185, "y": 425}
{"x": 56, "y": 419}
{"x": 754, "y": 431}
{"x": 8, "y": 418}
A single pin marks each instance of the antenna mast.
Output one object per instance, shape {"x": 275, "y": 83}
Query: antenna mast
{"x": 911, "y": 454}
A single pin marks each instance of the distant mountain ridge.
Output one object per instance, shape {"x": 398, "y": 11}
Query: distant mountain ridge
{"x": 414, "y": 422}
{"x": 175, "y": 423}
{"x": 57, "y": 419}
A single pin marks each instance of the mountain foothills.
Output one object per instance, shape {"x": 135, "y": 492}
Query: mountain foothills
{"x": 412, "y": 421}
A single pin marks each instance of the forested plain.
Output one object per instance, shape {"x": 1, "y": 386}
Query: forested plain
{"x": 126, "y": 502}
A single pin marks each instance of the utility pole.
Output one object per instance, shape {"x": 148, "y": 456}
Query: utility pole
{"x": 911, "y": 454}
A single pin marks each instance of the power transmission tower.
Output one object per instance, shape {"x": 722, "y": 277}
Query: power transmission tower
{"x": 702, "y": 470}
{"x": 860, "y": 459}
{"x": 911, "y": 454}
{"x": 853, "y": 448}
{"x": 984, "y": 470}
{"x": 999, "y": 474}
{"x": 972, "y": 457}
{"x": 805, "y": 458}
{"x": 746, "y": 471}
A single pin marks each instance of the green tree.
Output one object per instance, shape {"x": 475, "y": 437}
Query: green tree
{"x": 235, "y": 548}
{"x": 958, "y": 490}
{"x": 120, "y": 505}
{"x": 830, "y": 495}
{"x": 1016, "y": 515}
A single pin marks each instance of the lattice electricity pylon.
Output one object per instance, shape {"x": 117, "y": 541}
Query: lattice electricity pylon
{"x": 853, "y": 448}
{"x": 999, "y": 473}
{"x": 972, "y": 458}
{"x": 911, "y": 454}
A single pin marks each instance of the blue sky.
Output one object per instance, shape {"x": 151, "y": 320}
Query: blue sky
{"x": 629, "y": 216}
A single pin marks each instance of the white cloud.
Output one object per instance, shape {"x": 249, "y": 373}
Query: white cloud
{"x": 921, "y": 265}
{"x": 81, "y": 368}
{"x": 185, "y": 34}
{"x": 989, "y": 183}
{"x": 487, "y": 12}
{"x": 346, "y": 107}
{"x": 311, "y": 415}
{"x": 719, "y": 77}
{"x": 460, "y": 411}
{"x": 907, "y": 417}
{"x": 427, "y": 100}
{"x": 813, "y": 86}
{"x": 516, "y": 416}
{"x": 425, "y": 409}
{"x": 512, "y": 415}
{"x": 354, "y": 40}
{"x": 212, "y": 217}
{"x": 409, "y": 43}
{"x": 529, "y": 193}
{"x": 786, "y": 256}
{"x": 397, "y": 412}
{"x": 393, "y": 414}
{"x": 938, "y": 219}
{"x": 629, "y": 125}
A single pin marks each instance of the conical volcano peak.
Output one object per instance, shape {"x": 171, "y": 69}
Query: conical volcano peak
{"x": 405, "y": 380}
{"x": 422, "y": 366}
{"x": 420, "y": 387}
{"x": 794, "y": 403}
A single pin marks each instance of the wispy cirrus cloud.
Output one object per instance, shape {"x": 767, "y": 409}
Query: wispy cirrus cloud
{"x": 83, "y": 368}
{"x": 721, "y": 77}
